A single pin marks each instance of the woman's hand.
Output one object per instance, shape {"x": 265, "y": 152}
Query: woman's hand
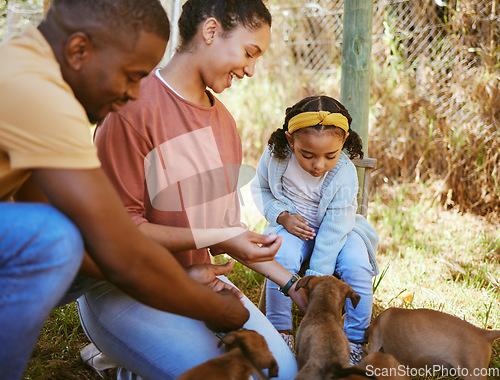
{"x": 299, "y": 298}
{"x": 275, "y": 272}
{"x": 206, "y": 274}
{"x": 296, "y": 225}
{"x": 251, "y": 247}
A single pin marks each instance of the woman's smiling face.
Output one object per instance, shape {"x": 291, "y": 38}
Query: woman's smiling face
{"x": 233, "y": 56}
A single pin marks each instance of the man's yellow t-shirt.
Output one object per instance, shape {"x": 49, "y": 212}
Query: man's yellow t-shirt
{"x": 42, "y": 124}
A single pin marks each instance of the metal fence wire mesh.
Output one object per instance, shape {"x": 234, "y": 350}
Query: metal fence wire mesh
{"x": 419, "y": 33}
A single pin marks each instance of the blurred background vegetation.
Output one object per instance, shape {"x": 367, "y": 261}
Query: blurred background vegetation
{"x": 435, "y": 90}
{"x": 435, "y": 87}
{"x": 434, "y": 129}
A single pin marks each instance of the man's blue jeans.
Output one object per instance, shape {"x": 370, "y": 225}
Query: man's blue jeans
{"x": 40, "y": 253}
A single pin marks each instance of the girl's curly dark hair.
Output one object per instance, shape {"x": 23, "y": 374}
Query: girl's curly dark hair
{"x": 279, "y": 144}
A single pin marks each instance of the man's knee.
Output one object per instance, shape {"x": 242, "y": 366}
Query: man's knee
{"x": 44, "y": 234}
{"x": 63, "y": 230}
{"x": 61, "y": 236}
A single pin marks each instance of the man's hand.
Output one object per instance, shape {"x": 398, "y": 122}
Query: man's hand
{"x": 251, "y": 247}
{"x": 206, "y": 274}
{"x": 127, "y": 258}
{"x": 235, "y": 314}
{"x": 296, "y": 225}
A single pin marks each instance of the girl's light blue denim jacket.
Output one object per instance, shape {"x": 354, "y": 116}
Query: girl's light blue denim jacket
{"x": 336, "y": 210}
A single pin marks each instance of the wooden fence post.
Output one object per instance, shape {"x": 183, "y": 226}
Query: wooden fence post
{"x": 356, "y": 67}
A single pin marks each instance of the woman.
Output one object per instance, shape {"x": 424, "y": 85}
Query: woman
{"x": 174, "y": 156}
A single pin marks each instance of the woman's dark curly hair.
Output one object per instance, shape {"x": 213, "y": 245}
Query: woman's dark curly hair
{"x": 279, "y": 144}
{"x": 252, "y": 14}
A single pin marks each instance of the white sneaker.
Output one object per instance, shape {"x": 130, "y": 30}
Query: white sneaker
{"x": 97, "y": 360}
{"x": 290, "y": 341}
{"x": 358, "y": 352}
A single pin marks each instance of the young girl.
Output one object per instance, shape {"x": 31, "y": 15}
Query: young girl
{"x": 174, "y": 155}
{"x": 306, "y": 188}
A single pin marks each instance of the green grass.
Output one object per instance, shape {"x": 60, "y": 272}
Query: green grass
{"x": 428, "y": 256}
{"x": 57, "y": 352}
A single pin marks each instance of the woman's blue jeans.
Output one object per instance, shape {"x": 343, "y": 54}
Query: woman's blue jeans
{"x": 353, "y": 267}
{"x": 40, "y": 253}
{"x": 152, "y": 344}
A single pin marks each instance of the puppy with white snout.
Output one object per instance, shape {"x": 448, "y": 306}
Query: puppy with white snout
{"x": 320, "y": 339}
{"x": 425, "y": 338}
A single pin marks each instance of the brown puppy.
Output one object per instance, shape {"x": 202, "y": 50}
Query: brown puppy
{"x": 320, "y": 339}
{"x": 247, "y": 353}
{"x": 432, "y": 340}
{"x": 383, "y": 366}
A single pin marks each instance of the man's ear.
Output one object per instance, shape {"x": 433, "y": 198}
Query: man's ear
{"x": 77, "y": 49}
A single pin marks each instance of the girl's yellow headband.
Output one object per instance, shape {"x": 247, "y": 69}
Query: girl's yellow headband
{"x": 309, "y": 119}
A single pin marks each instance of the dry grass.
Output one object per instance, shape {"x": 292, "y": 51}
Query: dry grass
{"x": 435, "y": 108}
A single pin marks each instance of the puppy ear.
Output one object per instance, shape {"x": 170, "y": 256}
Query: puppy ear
{"x": 303, "y": 282}
{"x": 273, "y": 369}
{"x": 354, "y": 297}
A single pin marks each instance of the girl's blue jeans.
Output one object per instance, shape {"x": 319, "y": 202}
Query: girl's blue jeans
{"x": 152, "y": 344}
{"x": 353, "y": 267}
{"x": 40, "y": 253}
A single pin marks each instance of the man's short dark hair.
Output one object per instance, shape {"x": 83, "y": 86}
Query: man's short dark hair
{"x": 121, "y": 15}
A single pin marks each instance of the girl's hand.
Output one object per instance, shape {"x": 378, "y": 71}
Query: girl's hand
{"x": 296, "y": 225}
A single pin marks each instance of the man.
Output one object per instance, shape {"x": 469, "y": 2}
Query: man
{"x": 85, "y": 59}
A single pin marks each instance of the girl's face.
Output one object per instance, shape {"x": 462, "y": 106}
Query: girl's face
{"x": 316, "y": 152}
{"x": 234, "y": 55}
